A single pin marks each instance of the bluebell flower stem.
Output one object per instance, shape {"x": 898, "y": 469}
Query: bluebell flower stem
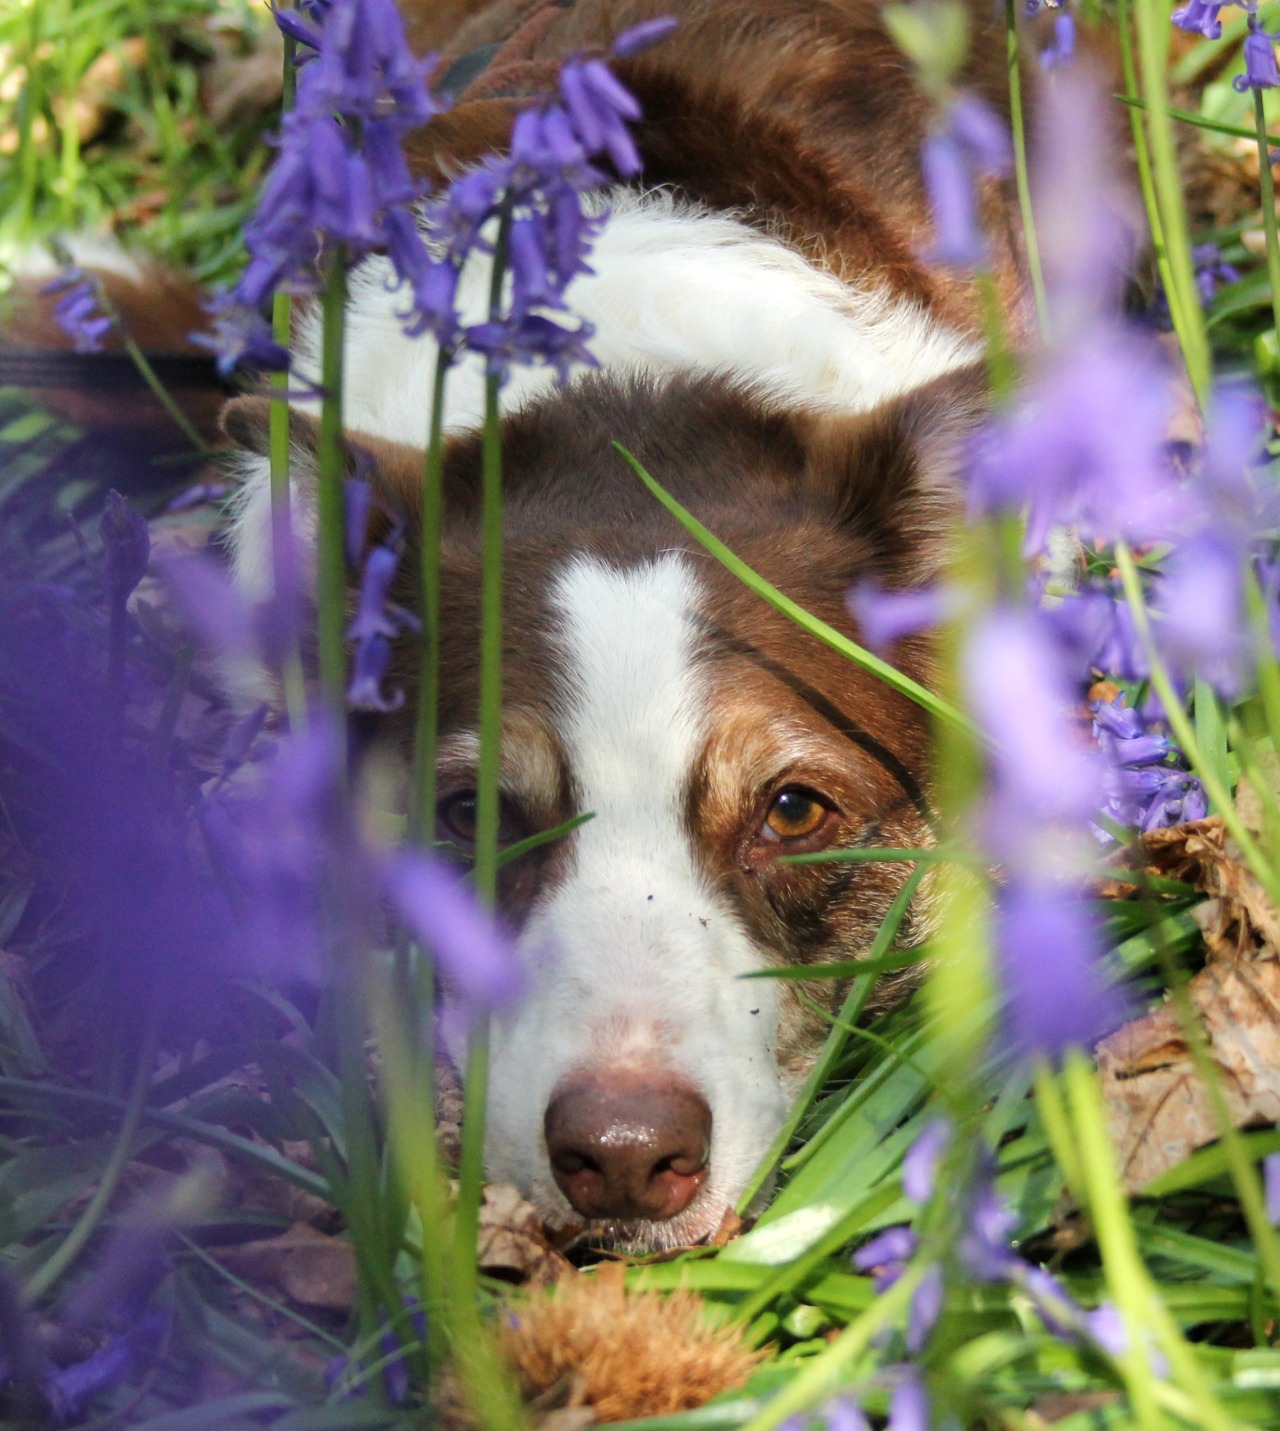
{"x": 331, "y": 575}
{"x": 295, "y": 689}
{"x": 1017, "y": 120}
{"x": 50, "y": 1271}
{"x": 1153, "y": 54}
{"x": 488, "y": 795}
{"x": 428, "y": 716}
{"x": 1267, "y": 186}
{"x": 1142, "y": 154}
{"x": 1267, "y": 668}
{"x": 1181, "y": 725}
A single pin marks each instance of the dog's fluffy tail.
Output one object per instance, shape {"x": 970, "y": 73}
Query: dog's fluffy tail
{"x": 159, "y": 308}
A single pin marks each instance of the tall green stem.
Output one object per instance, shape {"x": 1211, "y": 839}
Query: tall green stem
{"x": 426, "y": 733}
{"x": 1017, "y": 121}
{"x": 331, "y": 575}
{"x": 488, "y": 797}
{"x": 1153, "y": 53}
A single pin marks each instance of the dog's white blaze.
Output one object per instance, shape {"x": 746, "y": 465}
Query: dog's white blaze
{"x": 675, "y": 288}
{"x": 632, "y": 957}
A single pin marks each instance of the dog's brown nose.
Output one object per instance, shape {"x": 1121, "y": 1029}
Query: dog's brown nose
{"x": 628, "y": 1144}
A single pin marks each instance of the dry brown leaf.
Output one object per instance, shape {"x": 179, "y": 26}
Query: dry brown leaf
{"x": 1158, "y": 1112}
{"x": 1239, "y": 919}
{"x": 306, "y": 1266}
{"x": 512, "y": 1243}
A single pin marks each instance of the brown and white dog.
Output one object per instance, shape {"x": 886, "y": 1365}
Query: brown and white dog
{"x": 774, "y": 351}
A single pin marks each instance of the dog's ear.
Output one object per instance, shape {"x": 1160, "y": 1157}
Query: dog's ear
{"x": 393, "y": 469}
{"x": 892, "y": 477}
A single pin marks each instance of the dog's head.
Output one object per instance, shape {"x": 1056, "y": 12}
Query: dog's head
{"x": 642, "y": 1078}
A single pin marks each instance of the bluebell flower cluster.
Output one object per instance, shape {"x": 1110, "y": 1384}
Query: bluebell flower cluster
{"x": 78, "y": 311}
{"x": 1147, "y": 782}
{"x": 535, "y": 198}
{"x": 1202, "y": 17}
{"x": 340, "y": 182}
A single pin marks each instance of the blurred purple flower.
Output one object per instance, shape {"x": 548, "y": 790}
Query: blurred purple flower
{"x": 1062, "y": 51}
{"x": 1043, "y": 782}
{"x": 973, "y": 144}
{"x": 885, "y": 617}
{"x": 1050, "y": 959}
{"x": 920, "y": 1166}
{"x": 1211, "y": 272}
{"x": 1271, "y": 1183}
{"x": 1259, "y": 58}
{"x": 70, "y": 1390}
{"x": 909, "y": 1403}
{"x": 78, "y": 310}
{"x": 1200, "y": 17}
{"x": 643, "y": 36}
{"x": 886, "y": 1256}
{"x": 240, "y": 337}
{"x": 925, "y": 1309}
{"x": 1085, "y": 446}
{"x": 475, "y": 958}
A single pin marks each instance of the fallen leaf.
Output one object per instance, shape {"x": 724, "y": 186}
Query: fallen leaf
{"x": 512, "y": 1243}
{"x": 1158, "y": 1111}
{"x": 308, "y": 1267}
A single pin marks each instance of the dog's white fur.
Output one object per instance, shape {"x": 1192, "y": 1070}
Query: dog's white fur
{"x": 675, "y": 288}
{"x": 632, "y": 959}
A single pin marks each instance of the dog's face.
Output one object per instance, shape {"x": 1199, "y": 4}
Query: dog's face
{"x": 642, "y": 1078}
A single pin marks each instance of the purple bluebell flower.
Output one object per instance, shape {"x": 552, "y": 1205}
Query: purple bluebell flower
{"x": 1085, "y": 447}
{"x": 885, "y": 617}
{"x": 973, "y": 144}
{"x": 531, "y": 339}
{"x": 474, "y": 956}
{"x": 1200, "y": 17}
{"x": 1050, "y": 959}
{"x": 920, "y": 1166}
{"x": 600, "y": 109}
{"x": 909, "y": 1403}
{"x": 886, "y": 1256}
{"x": 925, "y": 1309}
{"x": 340, "y": 179}
{"x": 1211, "y": 272}
{"x": 1062, "y": 51}
{"x": 1044, "y": 783}
{"x": 1094, "y": 630}
{"x": 377, "y": 622}
{"x": 1147, "y": 782}
{"x": 643, "y": 36}
{"x": 240, "y": 337}
{"x": 1260, "y": 70}
{"x": 78, "y": 311}
{"x": 71, "y": 1389}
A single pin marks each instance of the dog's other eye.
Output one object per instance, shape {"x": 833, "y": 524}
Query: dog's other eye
{"x": 794, "y": 814}
{"x": 456, "y": 820}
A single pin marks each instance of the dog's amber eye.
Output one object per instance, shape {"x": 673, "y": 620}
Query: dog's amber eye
{"x": 794, "y": 814}
{"x": 456, "y": 820}
{"x": 457, "y": 817}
